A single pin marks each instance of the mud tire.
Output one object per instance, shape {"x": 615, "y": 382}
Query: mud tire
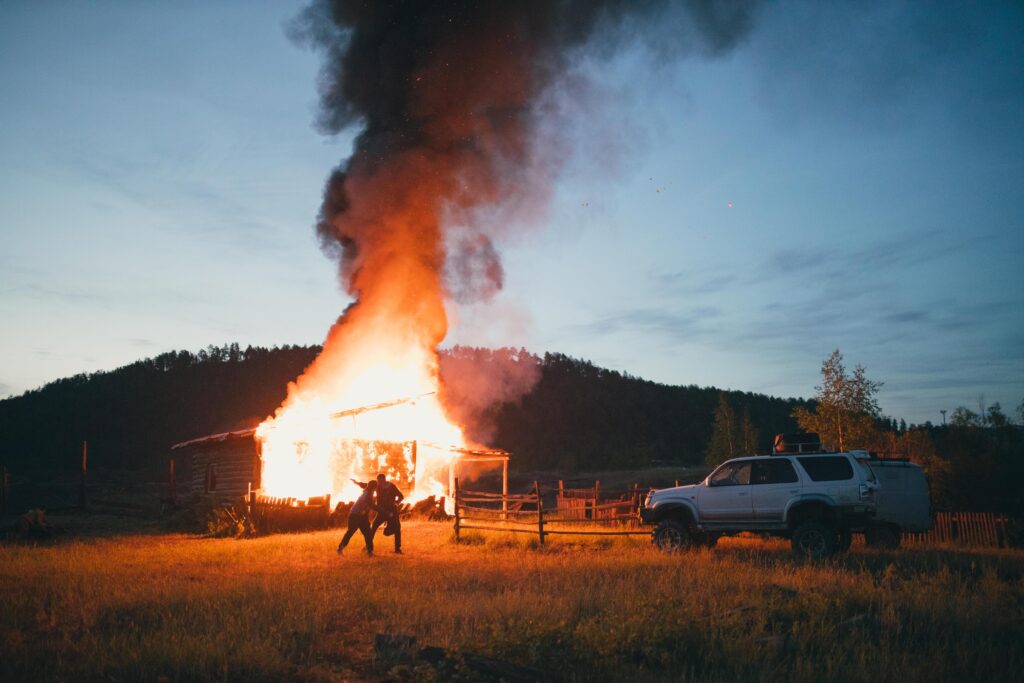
{"x": 814, "y": 540}
{"x": 672, "y": 536}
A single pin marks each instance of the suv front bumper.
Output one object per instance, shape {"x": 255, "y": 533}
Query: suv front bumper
{"x": 648, "y": 515}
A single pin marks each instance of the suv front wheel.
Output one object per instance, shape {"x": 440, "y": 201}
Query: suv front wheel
{"x": 814, "y": 540}
{"x": 672, "y": 536}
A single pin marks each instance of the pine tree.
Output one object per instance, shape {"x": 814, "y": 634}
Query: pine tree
{"x": 749, "y": 435}
{"x": 723, "y": 444}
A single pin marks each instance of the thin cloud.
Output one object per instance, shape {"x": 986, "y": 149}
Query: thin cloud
{"x": 673, "y": 324}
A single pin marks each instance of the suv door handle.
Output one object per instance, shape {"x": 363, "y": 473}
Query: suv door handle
{"x": 742, "y": 493}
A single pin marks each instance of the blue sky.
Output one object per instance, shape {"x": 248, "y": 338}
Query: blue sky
{"x": 849, "y": 177}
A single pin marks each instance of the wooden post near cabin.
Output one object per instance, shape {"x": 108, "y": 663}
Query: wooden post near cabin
{"x": 597, "y": 491}
{"x": 561, "y": 489}
{"x": 83, "y": 500}
{"x": 173, "y": 492}
{"x": 452, "y": 478}
{"x": 415, "y": 456}
{"x": 540, "y": 511}
{"x": 455, "y": 488}
{"x": 504, "y": 490}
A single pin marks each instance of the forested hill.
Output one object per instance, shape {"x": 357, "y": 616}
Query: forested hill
{"x": 577, "y": 416}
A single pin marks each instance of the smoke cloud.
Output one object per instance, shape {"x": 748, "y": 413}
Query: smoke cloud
{"x": 446, "y": 97}
{"x": 477, "y": 381}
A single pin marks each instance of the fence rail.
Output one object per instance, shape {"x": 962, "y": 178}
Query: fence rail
{"x": 569, "y": 510}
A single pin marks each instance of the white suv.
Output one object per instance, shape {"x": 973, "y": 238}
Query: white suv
{"x": 815, "y": 499}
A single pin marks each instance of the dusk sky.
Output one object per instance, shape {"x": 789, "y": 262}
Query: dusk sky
{"x": 847, "y": 177}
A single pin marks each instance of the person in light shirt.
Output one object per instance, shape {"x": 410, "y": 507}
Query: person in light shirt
{"x": 359, "y": 518}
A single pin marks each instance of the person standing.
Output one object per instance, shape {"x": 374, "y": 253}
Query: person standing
{"x": 389, "y": 498}
{"x": 359, "y": 519}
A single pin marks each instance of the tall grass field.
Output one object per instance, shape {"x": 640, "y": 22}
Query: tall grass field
{"x": 157, "y": 607}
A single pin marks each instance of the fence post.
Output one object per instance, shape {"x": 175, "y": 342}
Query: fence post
{"x": 540, "y": 511}
{"x": 456, "y": 487}
{"x": 597, "y": 491}
{"x": 504, "y": 490}
{"x": 83, "y": 500}
{"x": 174, "y": 486}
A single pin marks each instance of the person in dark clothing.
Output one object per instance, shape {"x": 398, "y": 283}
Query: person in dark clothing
{"x": 389, "y": 498}
{"x": 359, "y": 519}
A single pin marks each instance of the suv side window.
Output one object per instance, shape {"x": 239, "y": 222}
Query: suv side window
{"x": 773, "y": 471}
{"x": 827, "y": 468}
{"x": 735, "y": 474}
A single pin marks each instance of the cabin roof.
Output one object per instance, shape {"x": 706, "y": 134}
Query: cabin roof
{"x": 215, "y": 438}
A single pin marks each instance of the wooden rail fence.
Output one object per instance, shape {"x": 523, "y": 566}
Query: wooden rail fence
{"x": 525, "y": 513}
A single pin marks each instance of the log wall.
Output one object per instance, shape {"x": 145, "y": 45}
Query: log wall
{"x": 236, "y": 462}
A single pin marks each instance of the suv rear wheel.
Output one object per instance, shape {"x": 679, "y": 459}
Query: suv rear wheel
{"x": 814, "y": 540}
{"x": 672, "y": 536}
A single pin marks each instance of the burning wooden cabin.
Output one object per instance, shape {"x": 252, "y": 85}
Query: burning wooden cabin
{"x": 229, "y": 467}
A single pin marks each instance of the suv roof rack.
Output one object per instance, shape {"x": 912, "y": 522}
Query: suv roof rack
{"x": 795, "y": 444}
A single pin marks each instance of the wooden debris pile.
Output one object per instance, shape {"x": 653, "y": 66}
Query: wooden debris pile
{"x": 31, "y": 526}
{"x": 430, "y": 508}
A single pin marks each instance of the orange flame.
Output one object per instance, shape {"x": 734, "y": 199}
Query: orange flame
{"x": 309, "y": 449}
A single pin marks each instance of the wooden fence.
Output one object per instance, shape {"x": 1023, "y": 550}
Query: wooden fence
{"x": 525, "y": 513}
{"x": 585, "y": 503}
{"x": 965, "y": 528}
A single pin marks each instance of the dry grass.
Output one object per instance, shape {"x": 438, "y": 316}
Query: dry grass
{"x": 287, "y": 608}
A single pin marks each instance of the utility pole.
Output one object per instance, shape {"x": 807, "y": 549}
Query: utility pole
{"x": 943, "y": 417}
